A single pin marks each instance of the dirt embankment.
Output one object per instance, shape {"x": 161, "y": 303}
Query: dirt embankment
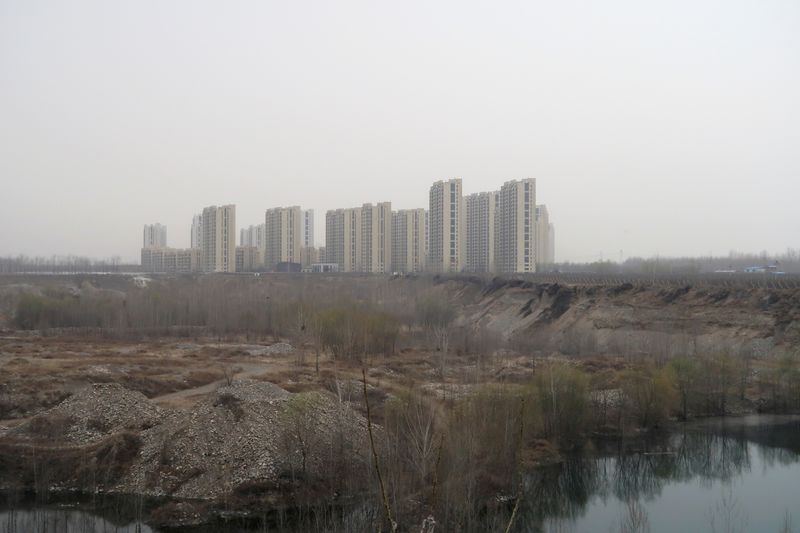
{"x": 622, "y": 319}
{"x": 631, "y": 320}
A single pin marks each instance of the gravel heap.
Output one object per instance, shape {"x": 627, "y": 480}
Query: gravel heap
{"x": 248, "y": 432}
{"x": 92, "y": 413}
{"x": 273, "y": 349}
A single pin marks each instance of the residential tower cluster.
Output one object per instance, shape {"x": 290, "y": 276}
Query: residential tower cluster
{"x": 502, "y": 231}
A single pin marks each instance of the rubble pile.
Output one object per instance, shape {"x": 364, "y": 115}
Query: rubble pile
{"x": 247, "y": 432}
{"x": 92, "y": 413}
{"x": 243, "y": 434}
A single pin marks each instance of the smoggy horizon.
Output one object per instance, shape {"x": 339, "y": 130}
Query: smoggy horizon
{"x": 650, "y": 129}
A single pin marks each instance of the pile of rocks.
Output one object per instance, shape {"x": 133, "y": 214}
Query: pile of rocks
{"x": 92, "y": 413}
{"x": 247, "y": 432}
{"x": 278, "y": 348}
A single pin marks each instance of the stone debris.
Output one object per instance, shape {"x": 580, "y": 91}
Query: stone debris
{"x": 248, "y": 432}
{"x": 92, "y": 413}
{"x": 273, "y": 349}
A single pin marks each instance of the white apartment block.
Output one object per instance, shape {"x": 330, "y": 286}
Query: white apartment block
{"x": 551, "y": 244}
{"x": 481, "y": 211}
{"x": 446, "y": 227}
{"x": 308, "y": 229}
{"x": 196, "y": 238}
{"x": 218, "y": 240}
{"x": 544, "y": 229}
{"x": 376, "y": 237}
{"x": 515, "y": 241}
{"x": 343, "y": 238}
{"x": 283, "y": 236}
{"x": 409, "y": 235}
{"x": 155, "y": 236}
{"x": 255, "y": 236}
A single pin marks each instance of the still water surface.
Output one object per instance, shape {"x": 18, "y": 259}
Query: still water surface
{"x": 737, "y": 475}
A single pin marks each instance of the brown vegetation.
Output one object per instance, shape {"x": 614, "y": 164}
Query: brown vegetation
{"x": 467, "y": 383}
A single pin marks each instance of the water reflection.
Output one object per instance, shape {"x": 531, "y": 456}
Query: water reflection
{"x": 695, "y": 465}
{"x": 54, "y": 520}
{"x": 748, "y": 469}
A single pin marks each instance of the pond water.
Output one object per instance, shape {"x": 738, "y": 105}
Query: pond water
{"x": 737, "y": 475}
{"x": 732, "y": 475}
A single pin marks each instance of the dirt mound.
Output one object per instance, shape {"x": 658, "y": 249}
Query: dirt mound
{"x": 91, "y": 414}
{"x": 244, "y": 434}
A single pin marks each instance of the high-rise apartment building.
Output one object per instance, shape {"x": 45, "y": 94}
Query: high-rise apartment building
{"x": 446, "y": 227}
{"x": 308, "y": 229}
{"x": 515, "y": 242}
{"x": 551, "y": 244}
{"x": 343, "y": 238}
{"x": 283, "y": 235}
{"x": 155, "y": 236}
{"x": 218, "y": 239}
{"x": 254, "y": 236}
{"x": 376, "y": 237}
{"x": 408, "y": 240}
{"x": 543, "y": 234}
{"x": 481, "y": 210}
{"x": 196, "y": 238}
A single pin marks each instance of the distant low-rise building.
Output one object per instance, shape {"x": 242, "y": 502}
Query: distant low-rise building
{"x": 249, "y": 259}
{"x": 171, "y": 260}
{"x": 324, "y": 267}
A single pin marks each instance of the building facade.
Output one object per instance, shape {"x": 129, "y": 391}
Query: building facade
{"x": 408, "y": 240}
{"x": 446, "y": 227}
{"x": 376, "y": 237}
{"x": 481, "y": 211}
{"x": 515, "y": 232}
{"x": 308, "y": 229}
{"x": 343, "y": 238}
{"x": 171, "y": 260}
{"x": 196, "y": 237}
{"x": 283, "y": 236}
{"x": 249, "y": 259}
{"x": 308, "y": 256}
{"x": 155, "y": 236}
{"x": 218, "y": 242}
{"x": 544, "y": 230}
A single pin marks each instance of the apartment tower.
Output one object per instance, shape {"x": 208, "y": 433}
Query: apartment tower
{"x": 543, "y": 227}
{"x": 308, "y": 229}
{"x": 343, "y": 238}
{"x": 481, "y": 209}
{"x": 376, "y": 237}
{"x": 155, "y": 236}
{"x": 196, "y": 238}
{"x": 283, "y": 236}
{"x": 446, "y": 226}
{"x": 408, "y": 240}
{"x": 515, "y": 242}
{"x": 218, "y": 239}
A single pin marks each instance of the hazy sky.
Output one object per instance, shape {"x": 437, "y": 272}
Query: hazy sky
{"x": 651, "y": 127}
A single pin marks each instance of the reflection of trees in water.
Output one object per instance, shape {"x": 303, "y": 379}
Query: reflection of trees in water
{"x": 562, "y": 492}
